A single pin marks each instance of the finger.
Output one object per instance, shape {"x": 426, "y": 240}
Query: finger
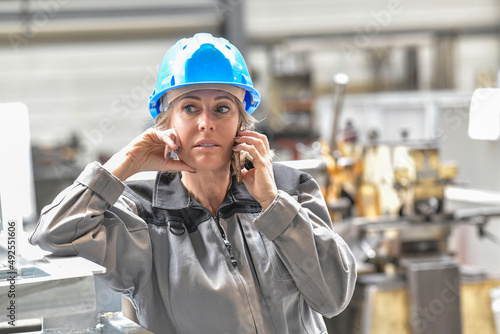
{"x": 167, "y": 152}
{"x": 251, "y": 150}
{"x": 247, "y": 176}
{"x": 170, "y": 139}
{"x": 264, "y": 152}
{"x": 266, "y": 149}
{"x": 260, "y": 136}
{"x": 179, "y": 165}
{"x": 245, "y": 156}
{"x": 258, "y": 143}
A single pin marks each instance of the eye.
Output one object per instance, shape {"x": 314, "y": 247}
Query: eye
{"x": 223, "y": 109}
{"x": 189, "y": 108}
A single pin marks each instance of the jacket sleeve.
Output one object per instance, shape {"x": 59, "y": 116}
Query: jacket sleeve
{"x": 92, "y": 220}
{"x": 319, "y": 261}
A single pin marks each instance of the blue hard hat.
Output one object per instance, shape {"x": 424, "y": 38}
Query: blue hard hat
{"x": 203, "y": 59}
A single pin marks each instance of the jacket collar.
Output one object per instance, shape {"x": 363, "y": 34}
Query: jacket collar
{"x": 170, "y": 194}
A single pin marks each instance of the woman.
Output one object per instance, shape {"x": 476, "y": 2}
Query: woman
{"x": 195, "y": 251}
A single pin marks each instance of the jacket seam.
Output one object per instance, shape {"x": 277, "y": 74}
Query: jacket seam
{"x": 75, "y": 233}
{"x": 94, "y": 193}
{"x": 135, "y": 199}
{"x": 143, "y": 288}
{"x": 101, "y": 188}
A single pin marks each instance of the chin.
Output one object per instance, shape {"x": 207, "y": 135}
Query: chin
{"x": 211, "y": 164}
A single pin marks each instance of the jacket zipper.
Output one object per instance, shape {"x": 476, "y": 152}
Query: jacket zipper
{"x": 226, "y": 242}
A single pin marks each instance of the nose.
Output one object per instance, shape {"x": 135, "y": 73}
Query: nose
{"x": 206, "y": 121}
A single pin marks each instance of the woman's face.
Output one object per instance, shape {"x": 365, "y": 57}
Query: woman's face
{"x": 206, "y": 122}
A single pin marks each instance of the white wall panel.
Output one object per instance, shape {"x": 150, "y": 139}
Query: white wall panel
{"x": 298, "y": 17}
{"x": 477, "y": 57}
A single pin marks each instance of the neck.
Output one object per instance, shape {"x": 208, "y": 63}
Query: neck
{"x": 208, "y": 187}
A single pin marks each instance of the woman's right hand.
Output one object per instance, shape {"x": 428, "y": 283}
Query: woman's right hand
{"x": 150, "y": 151}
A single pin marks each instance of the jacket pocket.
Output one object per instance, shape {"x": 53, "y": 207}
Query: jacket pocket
{"x": 279, "y": 269}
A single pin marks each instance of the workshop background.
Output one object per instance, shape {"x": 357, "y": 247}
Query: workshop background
{"x": 85, "y": 70}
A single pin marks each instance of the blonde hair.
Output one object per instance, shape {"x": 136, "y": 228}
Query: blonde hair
{"x": 162, "y": 121}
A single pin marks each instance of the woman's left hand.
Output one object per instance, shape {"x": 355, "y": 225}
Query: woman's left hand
{"x": 259, "y": 180}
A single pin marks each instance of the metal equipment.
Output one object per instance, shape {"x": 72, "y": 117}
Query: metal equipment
{"x": 340, "y": 81}
{"x": 40, "y": 293}
{"x": 47, "y": 294}
{"x": 395, "y": 220}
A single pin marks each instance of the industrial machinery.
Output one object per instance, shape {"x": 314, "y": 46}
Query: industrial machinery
{"x": 388, "y": 201}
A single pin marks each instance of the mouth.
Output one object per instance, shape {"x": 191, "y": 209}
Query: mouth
{"x": 206, "y": 144}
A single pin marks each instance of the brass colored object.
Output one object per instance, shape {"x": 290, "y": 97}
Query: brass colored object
{"x": 426, "y": 163}
{"x": 397, "y": 301}
{"x": 390, "y": 312}
{"x": 383, "y": 306}
{"x": 422, "y": 183}
{"x": 402, "y": 177}
{"x": 368, "y": 201}
{"x": 448, "y": 172}
{"x": 425, "y": 190}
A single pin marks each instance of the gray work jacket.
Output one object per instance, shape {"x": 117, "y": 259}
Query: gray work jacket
{"x": 243, "y": 270}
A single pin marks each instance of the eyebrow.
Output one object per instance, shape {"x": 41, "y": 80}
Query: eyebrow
{"x": 190, "y": 97}
{"x": 194, "y": 97}
{"x": 221, "y": 97}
